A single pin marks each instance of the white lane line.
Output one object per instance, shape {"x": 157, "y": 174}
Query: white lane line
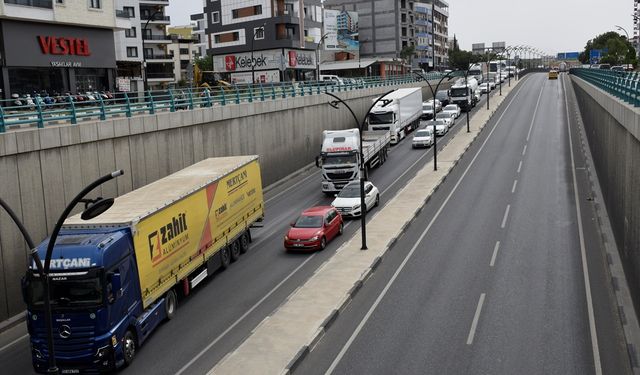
{"x": 535, "y": 111}
{"x": 364, "y": 320}
{"x": 524, "y": 150}
{"x": 585, "y": 267}
{"x": 495, "y": 254}
{"x": 291, "y": 187}
{"x": 520, "y": 166}
{"x": 240, "y": 319}
{"x": 506, "y": 216}
{"x": 14, "y": 342}
{"x": 513, "y": 189}
{"x": 476, "y": 317}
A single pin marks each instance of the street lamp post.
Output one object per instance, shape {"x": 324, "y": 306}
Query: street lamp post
{"x": 318, "y": 56}
{"x": 360, "y": 126}
{"x": 253, "y": 64}
{"x": 94, "y": 208}
{"x": 144, "y": 55}
{"x": 433, "y": 95}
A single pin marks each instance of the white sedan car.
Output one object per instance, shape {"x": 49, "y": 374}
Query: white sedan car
{"x": 347, "y": 202}
{"x": 423, "y": 138}
{"x": 484, "y": 87}
{"x": 441, "y": 127}
{"x": 452, "y": 108}
{"x": 446, "y": 117}
{"x": 438, "y": 104}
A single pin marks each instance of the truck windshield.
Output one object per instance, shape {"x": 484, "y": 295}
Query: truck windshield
{"x": 339, "y": 159}
{"x": 459, "y": 91}
{"x": 81, "y": 290}
{"x": 381, "y": 118}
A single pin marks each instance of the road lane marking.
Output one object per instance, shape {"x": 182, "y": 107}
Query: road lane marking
{"x": 585, "y": 267}
{"x": 495, "y": 254}
{"x": 367, "y": 316}
{"x": 524, "y": 150}
{"x": 476, "y": 317}
{"x": 520, "y": 166}
{"x": 14, "y": 342}
{"x": 240, "y": 319}
{"x": 513, "y": 189}
{"x": 535, "y": 111}
{"x": 313, "y": 174}
{"x": 506, "y": 216}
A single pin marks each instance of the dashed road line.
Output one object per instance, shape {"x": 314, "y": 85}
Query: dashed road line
{"x": 513, "y": 188}
{"x": 506, "y": 216}
{"x": 495, "y": 254}
{"x": 476, "y": 317}
{"x": 520, "y": 166}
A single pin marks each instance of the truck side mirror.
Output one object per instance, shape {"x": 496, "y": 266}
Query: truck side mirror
{"x": 318, "y": 162}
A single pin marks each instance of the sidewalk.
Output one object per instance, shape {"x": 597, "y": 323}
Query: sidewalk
{"x": 281, "y": 340}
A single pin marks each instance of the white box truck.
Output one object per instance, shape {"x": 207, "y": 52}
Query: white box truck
{"x": 399, "y": 113}
{"x": 465, "y": 95}
{"x": 340, "y": 155}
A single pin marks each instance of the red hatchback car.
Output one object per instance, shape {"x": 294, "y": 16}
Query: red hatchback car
{"x": 314, "y": 228}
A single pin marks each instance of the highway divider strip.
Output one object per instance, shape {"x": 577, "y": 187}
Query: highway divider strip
{"x": 282, "y": 340}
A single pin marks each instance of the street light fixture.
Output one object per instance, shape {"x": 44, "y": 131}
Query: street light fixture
{"x": 318, "y": 56}
{"x": 433, "y": 94}
{"x": 93, "y": 208}
{"x": 360, "y": 126}
{"x": 253, "y": 64}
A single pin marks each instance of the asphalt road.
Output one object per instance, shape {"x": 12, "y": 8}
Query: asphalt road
{"x": 223, "y": 310}
{"x": 490, "y": 277}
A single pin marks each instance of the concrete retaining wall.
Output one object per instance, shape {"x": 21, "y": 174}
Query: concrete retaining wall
{"x": 613, "y": 131}
{"x": 41, "y": 170}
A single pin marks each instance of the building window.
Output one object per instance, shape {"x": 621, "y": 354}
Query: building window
{"x": 403, "y": 17}
{"x": 227, "y": 37}
{"x": 403, "y": 3}
{"x": 246, "y": 11}
{"x": 130, "y": 33}
{"x": 148, "y": 53}
{"x": 132, "y": 51}
{"x": 95, "y": 4}
{"x": 130, "y": 11}
{"x": 404, "y": 31}
{"x": 215, "y": 17}
{"x": 60, "y": 2}
{"x": 259, "y": 33}
{"x": 184, "y": 51}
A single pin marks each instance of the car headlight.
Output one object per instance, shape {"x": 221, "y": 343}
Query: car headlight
{"x": 314, "y": 238}
{"x": 286, "y": 238}
{"x": 356, "y": 207}
{"x": 102, "y": 352}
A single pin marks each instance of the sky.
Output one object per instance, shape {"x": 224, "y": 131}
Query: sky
{"x": 550, "y": 25}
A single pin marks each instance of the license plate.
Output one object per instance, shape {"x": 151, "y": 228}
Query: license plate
{"x": 298, "y": 245}
{"x": 70, "y": 371}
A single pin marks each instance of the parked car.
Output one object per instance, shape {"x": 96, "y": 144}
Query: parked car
{"x": 423, "y": 138}
{"x": 441, "y": 127}
{"x": 443, "y": 97}
{"x": 446, "y": 117}
{"x": 452, "y": 108}
{"x": 314, "y": 228}
{"x": 485, "y": 87}
{"x": 348, "y": 201}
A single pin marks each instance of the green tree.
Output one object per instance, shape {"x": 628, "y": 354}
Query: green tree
{"x": 618, "y": 49}
{"x": 204, "y": 63}
{"x": 408, "y": 52}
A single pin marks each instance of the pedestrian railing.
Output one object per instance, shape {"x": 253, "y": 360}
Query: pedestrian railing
{"x": 624, "y": 85}
{"x": 41, "y": 110}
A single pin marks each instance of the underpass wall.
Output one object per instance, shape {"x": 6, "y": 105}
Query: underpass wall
{"x": 41, "y": 170}
{"x": 613, "y": 132}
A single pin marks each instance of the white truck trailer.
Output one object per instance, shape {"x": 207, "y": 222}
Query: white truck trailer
{"x": 399, "y": 113}
{"x": 340, "y": 155}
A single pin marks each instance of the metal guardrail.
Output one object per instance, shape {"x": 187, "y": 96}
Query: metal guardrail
{"x": 42, "y": 110}
{"x": 624, "y": 85}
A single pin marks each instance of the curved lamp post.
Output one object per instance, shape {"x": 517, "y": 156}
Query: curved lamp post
{"x": 318, "y": 56}
{"x": 360, "y": 126}
{"x": 144, "y": 56}
{"x": 433, "y": 94}
{"x": 94, "y": 207}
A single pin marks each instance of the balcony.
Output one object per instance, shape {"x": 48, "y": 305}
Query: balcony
{"x": 160, "y": 76}
{"x": 48, "y": 4}
{"x": 157, "y": 19}
{"x": 155, "y": 2}
{"x": 156, "y": 39}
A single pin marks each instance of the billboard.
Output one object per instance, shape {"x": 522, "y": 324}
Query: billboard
{"x": 596, "y": 54}
{"x": 568, "y": 55}
{"x": 341, "y": 27}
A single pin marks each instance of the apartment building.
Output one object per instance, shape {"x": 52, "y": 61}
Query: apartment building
{"x": 386, "y": 27}
{"x": 58, "y": 46}
{"x": 273, "y": 40}
{"x": 199, "y": 22}
{"x": 184, "y": 49}
{"x": 141, "y": 50}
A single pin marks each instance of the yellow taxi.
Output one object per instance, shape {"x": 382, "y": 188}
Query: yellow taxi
{"x": 553, "y": 74}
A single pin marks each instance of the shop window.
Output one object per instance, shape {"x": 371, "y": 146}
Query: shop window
{"x": 91, "y": 80}
{"x": 130, "y": 33}
{"x": 132, "y": 51}
{"x": 131, "y": 12}
{"x": 215, "y": 17}
{"x": 30, "y": 80}
{"x": 95, "y": 4}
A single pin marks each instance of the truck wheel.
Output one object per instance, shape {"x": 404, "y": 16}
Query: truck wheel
{"x": 170, "y": 304}
{"x": 129, "y": 347}
{"x": 234, "y": 249}
{"x": 244, "y": 243}
{"x": 225, "y": 257}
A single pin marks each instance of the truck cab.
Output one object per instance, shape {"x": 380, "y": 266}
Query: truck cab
{"x": 385, "y": 117}
{"x": 94, "y": 294}
{"x": 339, "y": 159}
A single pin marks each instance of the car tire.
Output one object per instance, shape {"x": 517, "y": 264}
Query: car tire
{"x": 225, "y": 258}
{"x": 129, "y": 347}
{"x": 170, "y": 304}
{"x": 377, "y": 200}
{"x": 323, "y": 243}
{"x": 341, "y": 230}
{"x": 234, "y": 250}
